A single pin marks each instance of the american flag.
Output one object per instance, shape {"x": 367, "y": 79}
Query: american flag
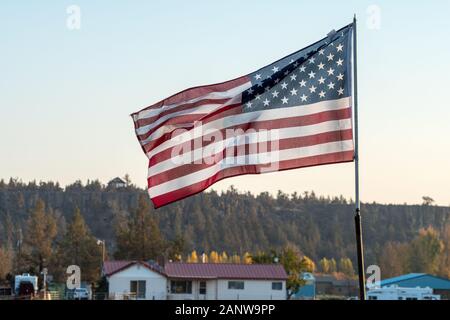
{"x": 293, "y": 113}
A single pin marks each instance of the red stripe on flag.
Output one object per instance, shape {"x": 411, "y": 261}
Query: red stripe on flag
{"x": 260, "y": 125}
{"x": 196, "y": 92}
{"x": 182, "y": 107}
{"x": 189, "y": 120}
{"x": 226, "y": 111}
{"x": 179, "y": 194}
{"x": 290, "y": 143}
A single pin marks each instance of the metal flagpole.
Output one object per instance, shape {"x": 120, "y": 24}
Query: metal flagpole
{"x": 358, "y": 228}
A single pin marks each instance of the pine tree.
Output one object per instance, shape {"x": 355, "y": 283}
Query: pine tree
{"x": 8, "y": 232}
{"x": 6, "y": 262}
{"x": 176, "y": 249}
{"x": 38, "y": 240}
{"x": 79, "y": 247}
{"x": 139, "y": 238}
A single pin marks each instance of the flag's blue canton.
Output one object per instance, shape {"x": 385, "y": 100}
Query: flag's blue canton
{"x": 319, "y": 72}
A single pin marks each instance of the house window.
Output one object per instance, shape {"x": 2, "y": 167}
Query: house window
{"x": 202, "y": 287}
{"x": 236, "y": 285}
{"x": 138, "y": 288}
{"x": 277, "y": 285}
{"x": 180, "y": 286}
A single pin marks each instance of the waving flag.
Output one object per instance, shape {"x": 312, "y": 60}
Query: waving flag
{"x": 293, "y": 113}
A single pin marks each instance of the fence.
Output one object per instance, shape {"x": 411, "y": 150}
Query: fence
{"x": 132, "y": 296}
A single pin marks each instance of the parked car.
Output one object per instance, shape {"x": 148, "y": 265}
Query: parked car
{"x": 81, "y": 294}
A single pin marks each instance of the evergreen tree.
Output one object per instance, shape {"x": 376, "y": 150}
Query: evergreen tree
{"x": 139, "y": 238}
{"x": 79, "y": 247}
{"x": 39, "y": 237}
{"x": 6, "y": 262}
{"x": 176, "y": 249}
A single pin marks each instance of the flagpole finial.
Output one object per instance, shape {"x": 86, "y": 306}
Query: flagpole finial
{"x": 331, "y": 34}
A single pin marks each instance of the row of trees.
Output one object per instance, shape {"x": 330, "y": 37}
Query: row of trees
{"x": 216, "y": 257}
{"x": 428, "y": 252}
{"x": 43, "y": 245}
{"x": 344, "y": 266}
{"x": 239, "y": 224}
{"x": 330, "y": 266}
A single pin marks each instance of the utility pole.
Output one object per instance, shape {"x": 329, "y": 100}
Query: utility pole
{"x": 102, "y": 243}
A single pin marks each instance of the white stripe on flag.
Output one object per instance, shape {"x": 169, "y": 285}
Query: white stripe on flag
{"x": 207, "y": 108}
{"x": 148, "y": 113}
{"x": 247, "y": 138}
{"x": 282, "y": 155}
{"x": 264, "y": 115}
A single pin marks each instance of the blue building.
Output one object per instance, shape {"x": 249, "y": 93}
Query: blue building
{"x": 412, "y": 280}
{"x": 308, "y": 291}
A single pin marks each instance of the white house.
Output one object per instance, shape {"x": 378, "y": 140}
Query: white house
{"x": 196, "y": 281}
{"x": 135, "y": 280}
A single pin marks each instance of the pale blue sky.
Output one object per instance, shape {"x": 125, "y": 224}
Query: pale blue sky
{"x": 66, "y": 96}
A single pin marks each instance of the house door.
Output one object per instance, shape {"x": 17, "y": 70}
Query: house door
{"x": 137, "y": 289}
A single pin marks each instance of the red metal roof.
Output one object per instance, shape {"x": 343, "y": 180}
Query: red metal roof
{"x": 205, "y": 270}
{"x": 225, "y": 271}
{"x": 111, "y": 267}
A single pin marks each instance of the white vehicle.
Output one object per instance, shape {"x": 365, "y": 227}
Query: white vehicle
{"x": 25, "y": 278}
{"x": 398, "y": 293}
{"x": 81, "y": 294}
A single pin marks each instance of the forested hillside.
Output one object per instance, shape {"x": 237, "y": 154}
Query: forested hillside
{"x": 231, "y": 221}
